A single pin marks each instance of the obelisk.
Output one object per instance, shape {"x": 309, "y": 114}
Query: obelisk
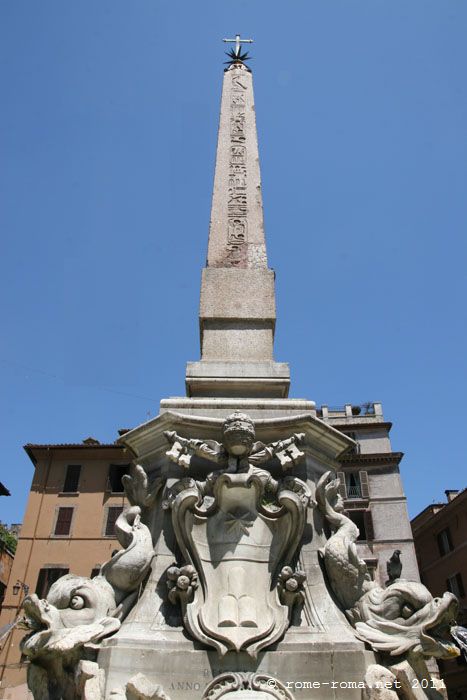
{"x": 237, "y": 309}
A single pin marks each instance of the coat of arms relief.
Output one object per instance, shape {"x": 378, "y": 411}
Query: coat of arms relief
{"x": 238, "y": 532}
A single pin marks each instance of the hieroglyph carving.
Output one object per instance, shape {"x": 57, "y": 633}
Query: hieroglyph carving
{"x": 238, "y": 526}
{"x": 237, "y": 207}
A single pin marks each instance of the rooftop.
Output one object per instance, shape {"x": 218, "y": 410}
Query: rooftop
{"x": 452, "y": 496}
{"x": 353, "y": 414}
{"x": 87, "y": 444}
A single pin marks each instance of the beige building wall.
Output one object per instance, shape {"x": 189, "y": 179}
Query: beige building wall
{"x": 85, "y": 548}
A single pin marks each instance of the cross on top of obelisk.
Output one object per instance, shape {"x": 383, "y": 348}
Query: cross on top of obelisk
{"x": 238, "y": 43}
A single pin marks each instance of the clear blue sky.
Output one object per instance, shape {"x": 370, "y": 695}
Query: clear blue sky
{"x": 108, "y": 130}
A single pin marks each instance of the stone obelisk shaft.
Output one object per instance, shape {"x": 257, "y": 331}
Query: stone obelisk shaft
{"x": 236, "y": 233}
{"x": 237, "y": 309}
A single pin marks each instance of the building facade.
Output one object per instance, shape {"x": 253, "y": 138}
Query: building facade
{"x": 440, "y": 536}
{"x": 372, "y": 489}
{"x": 75, "y": 498}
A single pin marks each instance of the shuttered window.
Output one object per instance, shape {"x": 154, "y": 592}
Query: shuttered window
{"x": 356, "y": 484}
{"x": 444, "y": 542}
{"x": 116, "y": 471}
{"x": 63, "y": 522}
{"x": 369, "y": 530}
{"x": 112, "y": 514}
{"x": 456, "y": 585}
{"x": 46, "y": 578}
{"x": 73, "y": 472}
{"x": 358, "y": 518}
{"x": 364, "y": 522}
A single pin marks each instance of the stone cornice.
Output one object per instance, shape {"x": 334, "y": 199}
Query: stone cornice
{"x": 374, "y": 459}
{"x": 147, "y": 440}
{"x": 362, "y": 425}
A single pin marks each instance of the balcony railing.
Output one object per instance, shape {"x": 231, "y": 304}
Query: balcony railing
{"x": 354, "y": 492}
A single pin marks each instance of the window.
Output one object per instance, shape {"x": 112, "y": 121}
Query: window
{"x": 47, "y": 577}
{"x": 63, "y": 522}
{"x": 72, "y": 478}
{"x": 116, "y": 471}
{"x": 444, "y": 542}
{"x": 354, "y": 484}
{"x": 356, "y": 449}
{"x": 371, "y": 565}
{"x": 364, "y": 522}
{"x": 112, "y": 514}
{"x": 456, "y": 585}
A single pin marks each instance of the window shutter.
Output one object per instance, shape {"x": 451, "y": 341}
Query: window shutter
{"x": 365, "y": 491}
{"x": 441, "y": 548}
{"x": 112, "y": 515}
{"x": 455, "y": 585}
{"x": 63, "y": 523}
{"x": 41, "y": 587}
{"x": 342, "y": 486}
{"x": 444, "y": 542}
{"x": 370, "y": 534}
